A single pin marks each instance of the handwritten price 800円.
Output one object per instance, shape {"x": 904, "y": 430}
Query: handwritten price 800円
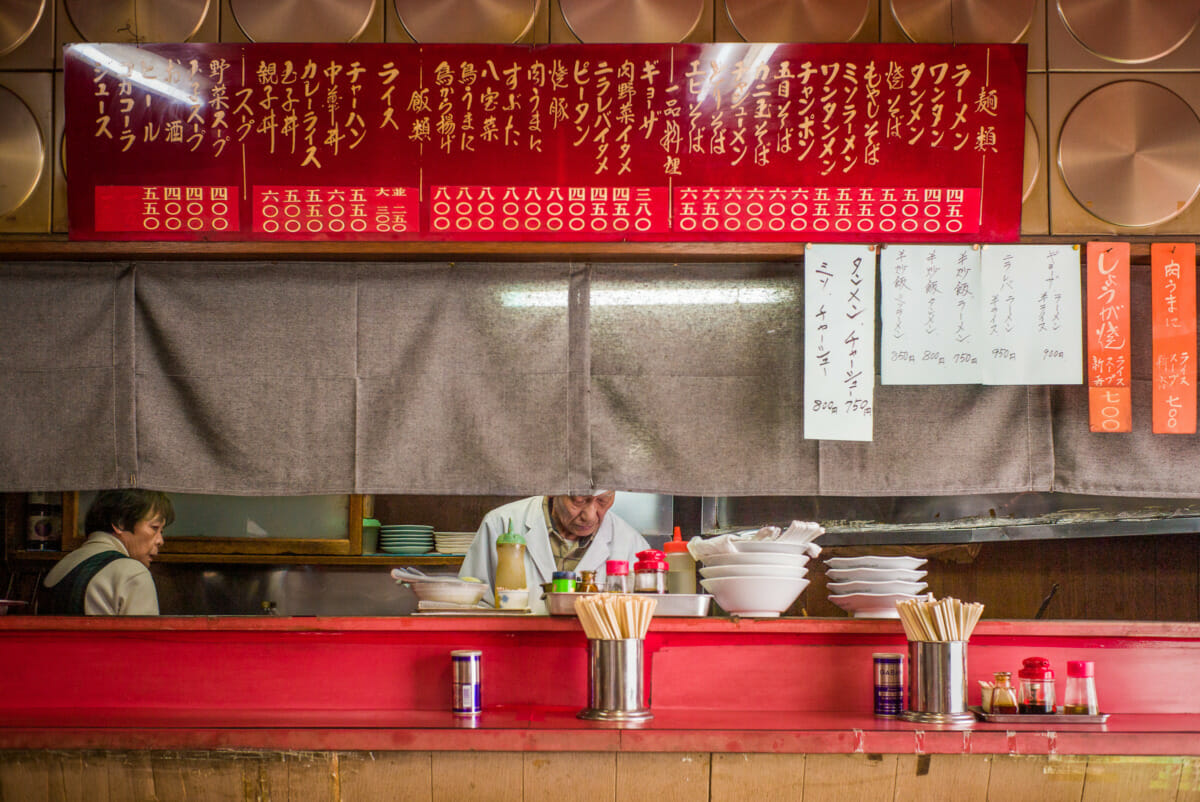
{"x": 857, "y": 406}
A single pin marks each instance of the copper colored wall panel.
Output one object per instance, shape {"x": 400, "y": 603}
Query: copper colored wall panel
{"x": 25, "y": 130}
{"x": 797, "y": 21}
{"x": 467, "y": 21}
{"x": 631, "y": 21}
{"x": 1124, "y": 154}
{"x": 26, "y": 34}
{"x": 1008, "y": 21}
{"x": 135, "y": 21}
{"x": 1035, "y": 203}
{"x": 59, "y": 221}
{"x": 302, "y": 20}
{"x": 1123, "y": 35}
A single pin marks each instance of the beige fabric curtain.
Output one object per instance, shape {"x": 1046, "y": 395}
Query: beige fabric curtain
{"x": 266, "y": 379}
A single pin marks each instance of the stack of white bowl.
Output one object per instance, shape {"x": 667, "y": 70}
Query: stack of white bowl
{"x": 870, "y": 586}
{"x": 760, "y": 580}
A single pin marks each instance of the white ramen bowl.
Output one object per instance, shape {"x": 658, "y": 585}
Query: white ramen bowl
{"x": 842, "y": 588}
{"x": 873, "y": 575}
{"x": 722, "y": 571}
{"x": 755, "y": 596}
{"x": 869, "y": 561}
{"x": 758, "y": 558}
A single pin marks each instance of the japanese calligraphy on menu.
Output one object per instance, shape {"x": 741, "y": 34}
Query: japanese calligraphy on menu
{"x": 839, "y": 342}
{"x": 787, "y": 142}
{"x": 1173, "y": 288}
{"x": 1110, "y": 373}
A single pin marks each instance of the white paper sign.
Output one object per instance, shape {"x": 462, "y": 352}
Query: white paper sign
{"x": 839, "y": 342}
{"x": 929, "y": 304}
{"x": 1031, "y": 317}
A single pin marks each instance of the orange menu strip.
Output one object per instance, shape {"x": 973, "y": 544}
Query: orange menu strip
{"x": 1108, "y": 337}
{"x": 1173, "y": 287}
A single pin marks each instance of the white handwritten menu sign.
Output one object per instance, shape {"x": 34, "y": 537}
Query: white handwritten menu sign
{"x": 1032, "y": 321}
{"x": 929, "y": 304}
{"x": 839, "y": 342}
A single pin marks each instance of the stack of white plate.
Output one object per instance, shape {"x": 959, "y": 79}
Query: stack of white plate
{"x": 869, "y": 587}
{"x": 760, "y": 580}
{"x": 452, "y": 542}
{"x": 408, "y": 539}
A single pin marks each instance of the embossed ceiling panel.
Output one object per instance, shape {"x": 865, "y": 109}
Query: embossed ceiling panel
{"x": 962, "y": 21}
{"x": 798, "y": 20}
{"x": 1130, "y": 31}
{"x": 136, "y": 21}
{"x": 302, "y": 20}
{"x": 632, "y": 21}
{"x": 494, "y": 21}
{"x": 25, "y": 100}
{"x": 18, "y": 20}
{"x": 1126, "y": 158}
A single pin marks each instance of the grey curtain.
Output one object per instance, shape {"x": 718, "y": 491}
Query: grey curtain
{"x": 270, "y": 379}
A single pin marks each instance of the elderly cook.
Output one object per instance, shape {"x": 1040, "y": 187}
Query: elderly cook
{"x": 562, "y": 533}
{"x": 110, "y": 573}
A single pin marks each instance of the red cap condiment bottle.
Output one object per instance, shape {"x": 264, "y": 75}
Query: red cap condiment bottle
{"x": 1037, "y": 686}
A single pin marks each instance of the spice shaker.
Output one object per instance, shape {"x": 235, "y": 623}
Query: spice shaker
{"x": 1079, "y": 698}
{"x": 1037, "y": 686}
{"x": 617, "y": 573}
{"x": 564, "y": 581}
{"x": 650, "y": 572}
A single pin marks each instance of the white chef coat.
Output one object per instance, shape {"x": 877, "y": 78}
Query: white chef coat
{"x": 614, "y": 540}
{"x": 123, "y": 587}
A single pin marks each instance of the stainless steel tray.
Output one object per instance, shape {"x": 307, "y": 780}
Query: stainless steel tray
{"x": 1038, "y": 718}
{"x": 671, "y": 605}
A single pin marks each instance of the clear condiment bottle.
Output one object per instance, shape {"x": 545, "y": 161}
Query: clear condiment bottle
{"x": 1004, "y": 695}
{"x": 1079, "y": 698}
{"x": 650, "y": 572}
{"x": 681, "y": 566}
{"x": 510, "y": 560}
{"x": 587, "y": 582}
{"x": 1037, "y": 686}
{"x": 617, "y": 572}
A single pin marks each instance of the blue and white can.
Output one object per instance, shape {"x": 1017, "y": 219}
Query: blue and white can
{"x": 466, "y": 665}
{"x": 889, "y": 684}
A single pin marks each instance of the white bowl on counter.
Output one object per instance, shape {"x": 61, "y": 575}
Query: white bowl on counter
{"x": 758, "y": 558}
{"x": 761, "y": 569}
{"x": 871, "y": 605}
{"x": 769, "y": 546}
{"x": 755, "y": 596}
{"x": 469, "y": 593}
{"x": 871, "y": 561}
{"x": 873, "y": 575}
{"x": 843, "y": 588}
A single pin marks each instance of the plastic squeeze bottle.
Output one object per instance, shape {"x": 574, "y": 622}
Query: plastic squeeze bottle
{"x": 510, "y": 560}
{"x": 681, "y": 566}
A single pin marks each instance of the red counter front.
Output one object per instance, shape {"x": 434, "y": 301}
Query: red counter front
{"x": 717, "y": 685}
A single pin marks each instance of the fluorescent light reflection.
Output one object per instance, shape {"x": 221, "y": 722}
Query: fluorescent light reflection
{"x": 117, "y": 60}
{"x": 714, "y": 296}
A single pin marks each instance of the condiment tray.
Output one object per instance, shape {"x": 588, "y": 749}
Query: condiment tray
{"x": 1038, "y": 718}
{"x": 689, "y": 605}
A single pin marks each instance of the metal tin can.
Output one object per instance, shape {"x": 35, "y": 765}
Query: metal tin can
{"x": 467, "y": 698}
{"x": 889, "y": 684}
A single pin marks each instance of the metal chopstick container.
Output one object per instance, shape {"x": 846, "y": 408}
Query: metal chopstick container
{"x": 467, "y": 680}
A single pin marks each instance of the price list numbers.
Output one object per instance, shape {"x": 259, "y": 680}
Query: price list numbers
{"x": 289, "y": 212}
{"x": 580, "y": 212}
{"x": 1110, "y": 400}
{"x": 167, "y": 212}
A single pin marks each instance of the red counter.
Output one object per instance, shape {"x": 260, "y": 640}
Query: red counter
{"x": 717, "y": 685}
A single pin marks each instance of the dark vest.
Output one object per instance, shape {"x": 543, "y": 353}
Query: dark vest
{"x": 66, "y": 598}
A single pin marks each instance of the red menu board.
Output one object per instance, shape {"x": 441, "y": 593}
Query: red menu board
{"x": 735, "y": 142}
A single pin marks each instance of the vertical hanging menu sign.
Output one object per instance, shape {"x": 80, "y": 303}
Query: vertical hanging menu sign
{"x": 733, "y": 142}
{"x": 839, "y": 342}
{"x": 929, "y": 308}
{"x": 1110, "y": 403}
{"x": 1031, "y": 315}
{"x": 1173, "y": 284}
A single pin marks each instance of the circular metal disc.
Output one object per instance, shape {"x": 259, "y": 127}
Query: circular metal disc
{"x": 1130, "y": 31}
{"x": 137, "y": 21}
{"x": 1033, "y": 159}
{"x": 630, "y": 21}
{"x": 22, "y": 152}
{"x": 302, "y": 20}
{"x": 798, "y": 20}
{"x": 1128, "y": 154}
{"x": 492, "y": 21}
{"x": 964, "y": 21}
{"x": 18, "y": 18}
